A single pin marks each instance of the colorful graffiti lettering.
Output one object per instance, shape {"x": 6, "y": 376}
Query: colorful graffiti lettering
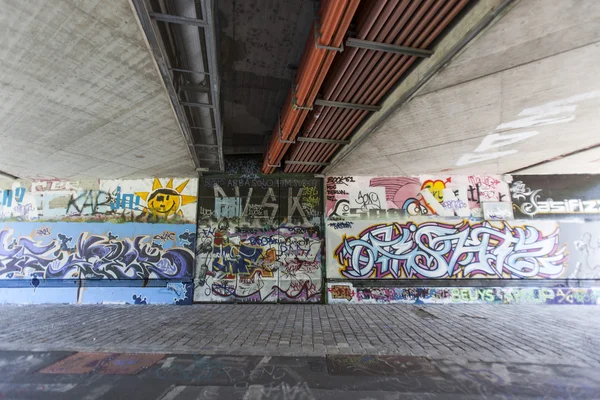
{"x": 269, "y": 265}
{"x": 459, "y": 295}
{"x": 259, "y": 240}
{"x": 341, "y": 292}
{"x": 8, "y": 196}
{"x": 388, "y": 197}
{"x": 92, "y": 257}
{"x": 438, "y": 250}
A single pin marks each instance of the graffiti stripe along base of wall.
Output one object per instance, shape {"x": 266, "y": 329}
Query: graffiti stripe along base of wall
{"x": 347, "y": 293}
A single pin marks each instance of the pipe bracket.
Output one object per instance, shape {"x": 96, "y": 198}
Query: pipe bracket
{"x": 295, "y": 105}
{"x": 322, "y": 46}
{"x": 352, "y": 106}
{"x": 308, "y": 163}
{"x": 321, "y": 140}
{"x": 280, "y": 137}
{"x": 386, "y": 47}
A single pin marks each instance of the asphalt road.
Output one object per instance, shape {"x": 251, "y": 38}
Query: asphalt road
{"x": 91, "y": 376}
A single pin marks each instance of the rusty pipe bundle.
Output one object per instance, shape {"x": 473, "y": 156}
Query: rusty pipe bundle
{"x": 365, "y": 76}
{"x": 329, "y": 30}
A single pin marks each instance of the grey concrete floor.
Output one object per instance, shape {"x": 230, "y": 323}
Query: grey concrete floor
{"x": 489, "y": 333}
{"x": 300, "y": 352}
{"x": 34, "y": 375}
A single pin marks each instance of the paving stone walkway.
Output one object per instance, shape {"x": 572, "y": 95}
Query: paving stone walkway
{"x": 488, "y": 333}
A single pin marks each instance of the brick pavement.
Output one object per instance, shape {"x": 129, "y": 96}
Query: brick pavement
{"x": 491, "y": 333}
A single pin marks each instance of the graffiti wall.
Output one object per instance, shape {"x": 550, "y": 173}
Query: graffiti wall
{"x": 259, "y": 238}
{"x": 98, "y": 241}
{"x": 556, "y": 196}
{"x": 346, "y": 293}
{"x": 462, "y": 229}
{"x": 365, "y": 197}
{"x": 425, "y": 249}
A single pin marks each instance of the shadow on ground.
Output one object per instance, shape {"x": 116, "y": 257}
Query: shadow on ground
{"x": 68, "y": 375}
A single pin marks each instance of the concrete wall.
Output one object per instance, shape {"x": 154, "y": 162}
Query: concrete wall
{"x": 259, "y": 238}
{"x": 101, "y": 241}
{"x": 524, "y": 92}
{"x": 476, "y": 238}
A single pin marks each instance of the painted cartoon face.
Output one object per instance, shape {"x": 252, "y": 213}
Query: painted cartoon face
{"x": 164, "y": 201}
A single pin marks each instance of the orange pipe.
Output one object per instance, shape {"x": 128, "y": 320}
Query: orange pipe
{"x": 335, "y": 16}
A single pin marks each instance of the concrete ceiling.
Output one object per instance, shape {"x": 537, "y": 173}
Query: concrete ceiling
{"x": 260, "y": 43}
{"x": 80, "y": 96}
{"x": 524, "y": 96}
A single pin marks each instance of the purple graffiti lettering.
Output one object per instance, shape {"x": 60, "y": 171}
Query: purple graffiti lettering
{"x": 94, "y": 257}
{"x": 435, "y": 250}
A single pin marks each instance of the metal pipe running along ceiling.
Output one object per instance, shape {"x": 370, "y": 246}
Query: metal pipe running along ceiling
{"x": 391, "y": 35}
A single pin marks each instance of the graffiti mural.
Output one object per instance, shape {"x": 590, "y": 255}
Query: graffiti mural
{"x": 365, "y": 197}
{"x": 347, "y": 293}
{"x": 259, "y": 238}
{"x": 556, "y": 196}
{"x": 434, "y": 250}
{"x": 165, "y": 202}
{"x": 91, "y": 251}
{"x": 123, "y": 233}
{"x": 100, "y": 201}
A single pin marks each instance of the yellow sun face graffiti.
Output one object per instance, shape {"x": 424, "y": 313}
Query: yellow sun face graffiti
{"x": 165, "y": 202}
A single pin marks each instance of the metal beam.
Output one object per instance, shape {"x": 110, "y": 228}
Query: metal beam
{"x": 206, "y": 145}
{"x": 352, "y": 106}
{"x": 177, "y": 20}
{"x": 189, "y": 71}
{"x": 320, "y": 140}
{"x": 199, "y": 105}
{"x": 243, "y": 150}
{"x": 389, "y": 48}
{"x": 194, "y": 88}
{"x": 142, "y": 12}
{"x": 202, "y": 128}
{"x": 309, "y": 163}
{"x": 210, "y": 41}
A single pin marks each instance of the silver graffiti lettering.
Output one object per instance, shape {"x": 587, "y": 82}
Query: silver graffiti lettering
{"x": 435, "y": 250}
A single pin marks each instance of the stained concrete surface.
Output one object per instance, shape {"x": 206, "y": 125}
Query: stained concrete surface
{"x": 523, "y": 92}
{"x": 261, "y": 41}
{"x": 179, "y": 377}
{"x": 80, "y": 97}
